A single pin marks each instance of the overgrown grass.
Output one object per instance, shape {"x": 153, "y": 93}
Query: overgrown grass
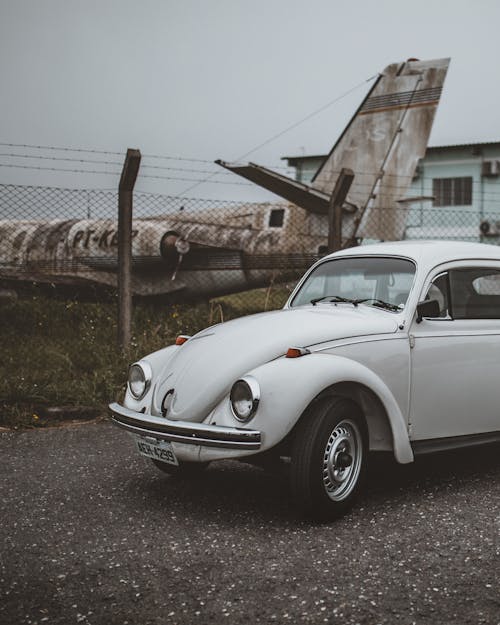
{"x": 64, "y": 352}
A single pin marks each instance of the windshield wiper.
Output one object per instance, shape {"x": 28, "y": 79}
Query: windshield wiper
{"x": 335, "y": 298}
{"x": 379, "y": 303}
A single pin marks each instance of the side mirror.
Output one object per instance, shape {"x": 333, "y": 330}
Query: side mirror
{"x": 428, "y": 308}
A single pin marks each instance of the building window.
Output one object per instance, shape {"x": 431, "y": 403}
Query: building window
{"x": 276, "y": 218}
{"x": 452, "y": 191}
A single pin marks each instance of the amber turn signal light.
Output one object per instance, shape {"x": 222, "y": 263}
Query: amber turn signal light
{"x": 296, "y": 352}
{"x": 181, "y": 339}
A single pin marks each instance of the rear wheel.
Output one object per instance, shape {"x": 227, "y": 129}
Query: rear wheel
{"x": 329, "y": 458}
{"x": 183, "y": 469}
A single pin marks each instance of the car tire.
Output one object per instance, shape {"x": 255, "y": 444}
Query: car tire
{"x": 329, "y": 458}
{"x": 184, "y": 470}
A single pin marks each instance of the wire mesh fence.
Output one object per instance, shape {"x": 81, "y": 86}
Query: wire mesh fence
{"x": 194, "y": 263}
{"x": 182, "y": 249}
{"x": 188, "y": 249}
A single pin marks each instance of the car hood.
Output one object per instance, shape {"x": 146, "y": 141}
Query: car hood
{"x": 203, "y": 370}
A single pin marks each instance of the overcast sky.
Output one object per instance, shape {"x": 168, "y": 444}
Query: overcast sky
{"x": 207, "y": 79}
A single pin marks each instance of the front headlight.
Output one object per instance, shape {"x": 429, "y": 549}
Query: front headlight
{"x": 244, "y": 398}
{"x": 139, "y": 378}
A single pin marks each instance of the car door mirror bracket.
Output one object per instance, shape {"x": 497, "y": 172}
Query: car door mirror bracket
{"x": 427, "y": 308}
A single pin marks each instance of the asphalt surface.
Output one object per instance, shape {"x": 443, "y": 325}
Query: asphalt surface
{"x": 91, "y": 533}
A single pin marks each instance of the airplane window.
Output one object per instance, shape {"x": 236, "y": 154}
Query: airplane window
{"x": 276, "y": 218}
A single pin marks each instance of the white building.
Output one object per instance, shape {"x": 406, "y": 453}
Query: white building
{"x": 464, "y": 181}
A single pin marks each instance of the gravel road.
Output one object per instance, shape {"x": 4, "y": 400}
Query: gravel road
{"x": 91, "y": 533}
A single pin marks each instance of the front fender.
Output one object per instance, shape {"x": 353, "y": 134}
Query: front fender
{"x": 288, "y": 385}
{"x": 158, "y": 360}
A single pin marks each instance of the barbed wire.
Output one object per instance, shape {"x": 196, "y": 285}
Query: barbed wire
{"x": 479, "y": 186}
{"x": 178, "y": 158}
{"x": 485, "y": 194}
{"x": 114, "y": 173}
{"x": 120, "y": 163}
{"x": 242, "y": 184}
{"x": 60, "y": 158}
{"x": 60, "y": 169}
{"x": 109, "y": 152}
{"x": 205, "y": 171}
{"x": 100, "y": 162}
{"x": 59, "y": 148}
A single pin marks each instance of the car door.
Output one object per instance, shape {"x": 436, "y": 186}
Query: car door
{"x": 455, "y": 358}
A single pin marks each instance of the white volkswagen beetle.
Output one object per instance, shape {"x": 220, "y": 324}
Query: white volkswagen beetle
{"x": 394, "y": 347}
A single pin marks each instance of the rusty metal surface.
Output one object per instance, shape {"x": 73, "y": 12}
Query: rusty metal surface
{"x": 301, "y": 194}
{"x": 229, "y": 249}
{"x": 382, "y": 144}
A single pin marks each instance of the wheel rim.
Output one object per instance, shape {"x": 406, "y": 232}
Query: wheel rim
{"x": 342, "y": 460}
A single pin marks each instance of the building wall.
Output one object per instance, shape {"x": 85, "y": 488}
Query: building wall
{"x": 305, "y": 170}
{"x": 454, "y": 221}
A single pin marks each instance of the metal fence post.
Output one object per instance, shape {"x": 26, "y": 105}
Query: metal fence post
{"x": 337, "y": 199}
{"x": 125, "y": 202}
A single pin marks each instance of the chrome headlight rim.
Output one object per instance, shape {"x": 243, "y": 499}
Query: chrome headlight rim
{"x": 147, "y": 373}
{"x": 254, "y": 391}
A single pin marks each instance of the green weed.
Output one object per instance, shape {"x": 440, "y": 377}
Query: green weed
{"x": 65, "y": 352}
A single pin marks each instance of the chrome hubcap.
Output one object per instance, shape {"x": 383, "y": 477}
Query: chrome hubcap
{"x": 342, "y": 460}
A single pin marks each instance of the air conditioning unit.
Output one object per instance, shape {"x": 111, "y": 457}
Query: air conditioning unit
{"x": 490, "y": 228}
{"x": 491, "y": 168}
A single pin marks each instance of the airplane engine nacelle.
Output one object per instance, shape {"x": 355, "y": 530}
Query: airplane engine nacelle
{"x": 172, "y": 247}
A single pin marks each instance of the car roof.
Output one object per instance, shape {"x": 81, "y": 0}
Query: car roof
{"x": 428, "y": 253}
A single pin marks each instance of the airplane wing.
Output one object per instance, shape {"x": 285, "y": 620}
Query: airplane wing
{"x": 382, "y": 144}
{"x": 301, "y": 194}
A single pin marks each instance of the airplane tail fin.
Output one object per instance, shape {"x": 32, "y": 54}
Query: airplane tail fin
{"x": 382, "y": 144}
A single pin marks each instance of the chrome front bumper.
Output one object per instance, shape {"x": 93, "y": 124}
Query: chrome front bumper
{"x": 184, "y": 431}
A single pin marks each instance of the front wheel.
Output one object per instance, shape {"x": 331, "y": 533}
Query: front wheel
{"x": 329, "y": 458}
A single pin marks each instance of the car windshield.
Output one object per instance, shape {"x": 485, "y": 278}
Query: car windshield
{"x": 377, "y": 281}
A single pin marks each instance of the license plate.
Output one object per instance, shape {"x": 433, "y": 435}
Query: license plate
{"x": 161, "y": 450}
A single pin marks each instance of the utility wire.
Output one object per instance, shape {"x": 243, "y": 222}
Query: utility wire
{"x": 291, "y": 127}
{"x": 307, "y": 117}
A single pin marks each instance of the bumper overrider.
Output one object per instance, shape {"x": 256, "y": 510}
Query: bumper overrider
{"x": 202, "y": 434}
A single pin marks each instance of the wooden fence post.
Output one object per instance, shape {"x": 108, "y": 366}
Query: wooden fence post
{"x": 337, "y": 199}
{"x": 125, "y": 206}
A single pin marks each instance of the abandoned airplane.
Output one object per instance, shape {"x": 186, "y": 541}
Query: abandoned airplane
{"x": 213, "y": 252}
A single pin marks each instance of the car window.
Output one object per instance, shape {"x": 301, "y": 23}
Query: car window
{"x": 487, "y": 285}
{"x": 475, "y": 293}
{"x": 438, "y": 290}
{"x": 369, "y": 278}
